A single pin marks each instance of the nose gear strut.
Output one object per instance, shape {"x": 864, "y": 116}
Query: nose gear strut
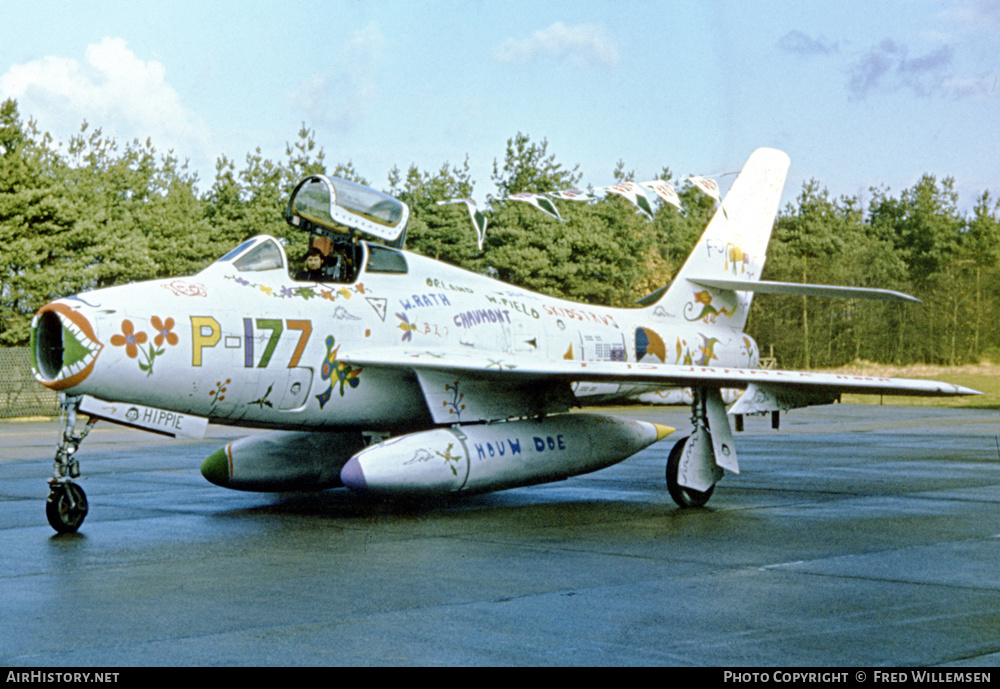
{"x": 66, "y": 505}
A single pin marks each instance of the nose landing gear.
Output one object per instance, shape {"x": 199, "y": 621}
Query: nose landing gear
{"x": 66, "y": 506}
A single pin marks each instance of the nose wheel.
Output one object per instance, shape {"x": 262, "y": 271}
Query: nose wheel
{"x": 66, "y": 506}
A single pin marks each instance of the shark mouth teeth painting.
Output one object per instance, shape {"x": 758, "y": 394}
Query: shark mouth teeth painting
{"x": 64, "y": 347}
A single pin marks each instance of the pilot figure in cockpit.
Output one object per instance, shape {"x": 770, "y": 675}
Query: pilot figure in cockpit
{"x": 337, "y": 267}
{"x": 313, "y": 272}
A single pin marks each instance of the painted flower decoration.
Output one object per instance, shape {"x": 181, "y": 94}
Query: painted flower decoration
{"x": 219, "y": 393}
{"x": 129, "y": 338}
{"x": 164, "y": 330}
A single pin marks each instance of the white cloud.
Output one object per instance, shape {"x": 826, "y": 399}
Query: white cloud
{"x": 583, "y": 44}
{"x": 349, "y": 90}
{"x": 981, "y": 15}
{"x": 797, "y": 42}
{"x": 887, "y": 68}
{"x": 111, "y": 89}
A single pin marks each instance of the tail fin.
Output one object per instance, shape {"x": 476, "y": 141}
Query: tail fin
{"x": 732, "y": 247}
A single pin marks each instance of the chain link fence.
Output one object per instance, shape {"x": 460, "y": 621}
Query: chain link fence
{"x": 20, "y": 393}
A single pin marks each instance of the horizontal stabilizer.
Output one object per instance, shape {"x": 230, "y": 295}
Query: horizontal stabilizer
{"x": 766, "y": 287}
{"x": 761, "y": 398}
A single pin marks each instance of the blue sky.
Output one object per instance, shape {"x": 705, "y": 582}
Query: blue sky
{"x": 857, "y": 93}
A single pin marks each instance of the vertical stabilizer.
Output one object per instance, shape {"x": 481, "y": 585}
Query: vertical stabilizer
{"x": 732, "y": 247}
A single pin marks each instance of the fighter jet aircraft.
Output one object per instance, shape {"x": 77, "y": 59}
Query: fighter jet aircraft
{"x": 396, "y": 375}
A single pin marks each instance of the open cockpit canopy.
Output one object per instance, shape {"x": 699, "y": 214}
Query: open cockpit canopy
{"x": 333, "y": 207}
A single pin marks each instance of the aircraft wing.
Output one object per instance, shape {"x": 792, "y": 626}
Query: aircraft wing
{"x": 520, "y": 384}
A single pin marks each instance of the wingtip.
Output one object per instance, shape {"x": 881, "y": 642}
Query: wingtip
{"x": 962, "y": 390}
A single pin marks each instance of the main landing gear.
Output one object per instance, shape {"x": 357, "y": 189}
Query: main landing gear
{"x": 66, "y": 506}
{"x": 696, "y": 463}
{"x": 683, "y": 496}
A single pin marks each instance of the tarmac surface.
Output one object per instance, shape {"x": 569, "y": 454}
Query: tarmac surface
{"x": 855, "y": 536}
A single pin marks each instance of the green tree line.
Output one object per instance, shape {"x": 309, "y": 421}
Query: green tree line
{"x": 95, "y": 212}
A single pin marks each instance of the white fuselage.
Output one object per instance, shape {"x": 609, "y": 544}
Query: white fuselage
{"x": 256, "y": 348}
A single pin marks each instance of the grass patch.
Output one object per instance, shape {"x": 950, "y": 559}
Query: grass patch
{"x": 984, "y": 377}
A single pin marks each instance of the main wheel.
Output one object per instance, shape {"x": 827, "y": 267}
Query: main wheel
{"x": 66, "y": 507}
{"x": 683, "y": 496}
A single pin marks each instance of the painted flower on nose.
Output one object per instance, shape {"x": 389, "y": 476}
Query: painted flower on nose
{"x": 129, "y": 338}
{"x": 164, "y": 330}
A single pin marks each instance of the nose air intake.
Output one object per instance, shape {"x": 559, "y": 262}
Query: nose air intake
{"x": 63, "y": 346}
{"x": 47, "y": 347}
